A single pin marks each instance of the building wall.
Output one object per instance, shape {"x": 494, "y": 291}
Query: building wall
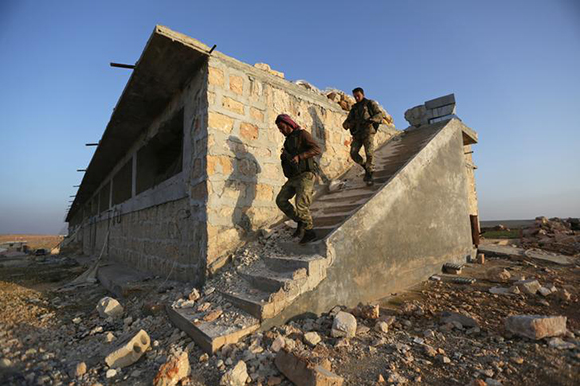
{"x": 243, "y": 160}
{"x": 161, "y": 230}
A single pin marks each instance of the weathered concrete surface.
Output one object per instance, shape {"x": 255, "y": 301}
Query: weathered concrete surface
{"x": 520, "y": 253}
{"x": 302, "y": 373}
{"x": 121, "y": 280}
{"x": 422, "y": 223}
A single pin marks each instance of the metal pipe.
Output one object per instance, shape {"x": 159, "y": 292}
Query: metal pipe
{"x": 121, "y": 65}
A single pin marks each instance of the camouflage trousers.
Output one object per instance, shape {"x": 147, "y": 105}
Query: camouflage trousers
{"x": 301, "y": 186}
{"x": 368, "y": 141}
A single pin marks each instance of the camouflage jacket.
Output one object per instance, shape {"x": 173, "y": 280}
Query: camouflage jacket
{"x": 362, "y": 116}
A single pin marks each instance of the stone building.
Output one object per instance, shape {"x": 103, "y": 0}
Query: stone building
{"x": 188, "y": 166}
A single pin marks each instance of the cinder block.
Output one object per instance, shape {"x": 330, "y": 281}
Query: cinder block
{"x": 441, "y": 101}
{"x": 128, "y": 350}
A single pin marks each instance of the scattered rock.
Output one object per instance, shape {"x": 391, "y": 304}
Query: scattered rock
{"x": 498, "y": 274}
{"x": 536, "y": 326}
{"x": 544, "y": 291}
{"x": 560, "y": 344}
{"x": 128, "y": 350}
{"x": 463, "y": 320}
{"x": 5, "y": 363}
{"x": 237, "y": 376}
{"x": 78, "y": 370}
{"x": 382, "y": 326}
{"x": 111, "y": 373}
{"x": 194, "y": 295}
{"x": 109, "y": 307}
{"x": 344, "y": 325}
{"x": 174, "y": 370}
{"x": 429, "y": 351}
{"x": 367, "y": 311}
{"x": 528, "y": 286}
{"x": 109, "y": 337}
{"x": 277, "y": 344}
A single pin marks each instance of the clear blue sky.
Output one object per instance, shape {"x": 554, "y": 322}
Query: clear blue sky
{"x": 514, "y": 67}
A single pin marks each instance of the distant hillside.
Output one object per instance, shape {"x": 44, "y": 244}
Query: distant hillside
{"x": 34, "y": 241}
{"x": 507, "y": 223}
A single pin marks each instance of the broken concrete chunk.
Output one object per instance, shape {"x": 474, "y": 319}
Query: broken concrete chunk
{"x": 109, "y": 307}
{"x": 344, "y": 325}
{"x": 499, "y": 290}
{"x": 528, "y": 286}
{"x": 301, "y": 372}
{"x": 266, "y": 67}
{"x": 312, "y": 338}
{"x": 236, "y": 376}
{"x": 536, "y": 326}
{"x": 128, "y": 350}
{"x": 213, "y": 315}
{"x": 174, "y": 370}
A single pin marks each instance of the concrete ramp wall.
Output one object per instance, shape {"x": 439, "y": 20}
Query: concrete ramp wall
{"x": 415, "y": 223}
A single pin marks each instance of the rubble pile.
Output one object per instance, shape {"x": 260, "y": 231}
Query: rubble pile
{"x": 517, "y": 323}
{"x": 556, "y": 235}
{"x": 344, "y": 100}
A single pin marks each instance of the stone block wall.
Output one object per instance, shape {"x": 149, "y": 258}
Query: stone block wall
{"x": 244, "y": 145}
{"x": 162, "y": 230}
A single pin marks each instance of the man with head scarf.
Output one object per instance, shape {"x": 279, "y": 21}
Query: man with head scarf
{"x": 300, "y": 168}
{"x": 362, "y": 121}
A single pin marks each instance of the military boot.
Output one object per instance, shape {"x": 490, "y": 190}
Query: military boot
{"x": 299, "y": 230}
{"x": 368, "y": 178}
{"x": 309, "y": 235}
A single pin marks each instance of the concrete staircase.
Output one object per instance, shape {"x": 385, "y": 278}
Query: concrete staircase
{"x": 331, "y": 210}
{"x": 277, "y": 287}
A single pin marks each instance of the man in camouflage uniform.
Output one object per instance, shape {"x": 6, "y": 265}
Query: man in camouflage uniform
{"x": 362, "y": 121}
{"x": 299, "y": 167}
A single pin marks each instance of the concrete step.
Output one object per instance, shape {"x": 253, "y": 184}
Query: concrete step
{"x": 254, "y": 301}
{"x": 265, "y": 279}
{"x": 233, "y": 325}
{"x": 311, "y": 263}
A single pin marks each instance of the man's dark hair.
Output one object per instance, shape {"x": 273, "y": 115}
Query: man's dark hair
{"x": 359, "y": 89}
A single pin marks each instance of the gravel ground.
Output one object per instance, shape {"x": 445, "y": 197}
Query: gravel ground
{"x": 44, "y": 333}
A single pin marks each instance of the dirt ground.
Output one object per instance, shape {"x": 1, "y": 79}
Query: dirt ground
{"x": 44, "y": 333}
